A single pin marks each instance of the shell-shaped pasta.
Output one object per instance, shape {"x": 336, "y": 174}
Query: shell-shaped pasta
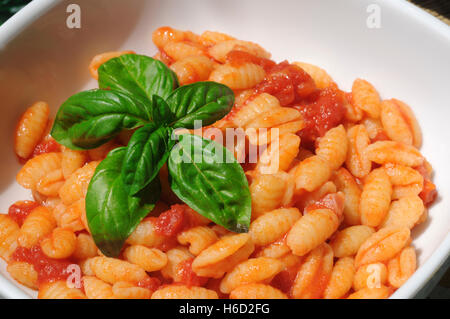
{"x": 357, "y": 161}
{"x": 313, "y": 275}
{"x": 254, "y": 270}
{"x": 319, "y": 75}
{"x": 101, "y": 58}
{"x": 37, "y": 168}
{"x": 394, "y": 124}
{"x": 272, "y": 225}
{"x": 209, "y": 38}
{"x": 61, "y": 243}
{"x": 267, "y": 191}
{"x": 375, "y": 198}
{"x": 220, "y": 50}
{"x": 71, "y": 161}
{"x": 96, "y": 288}
{"x": 410, "y": 118}
{"x": 24, "y": 273}
{"x": 311, "y": 230}
{"x": 9, "y": 232}
{"x": 276, "y": 249}
{"x": 85, "y": 247}
{"x": 347, "y": 241}
{"x": 145, "y": 234}
{"x": 76, "y": 185}
{"x": 274, "y": 117}
{"x": 59, "y": 290}
{"x": 347, "y": 184}
{"x": 223, "y": 255}
{"x": 184, "y": 292}
{"x": 126, "y": 290}
{"x": 193, "y": 69}
{"x": 257, "y": 291}
{"x": 164, "y": 35}
{"x": 371, "y": 293}
{"x": 314, "y": 196}
{"x": 370, "y": 276}
{"x": 279, "y": 156}
{"x": 150, "y": 259}
{"x": 266, "y": 136}
{"x": 404, "y": 212}
{"x": 30, "y": 129}
{"x": 333, "y": 147}
{"x": 311, "y": 173}
{"x": 341, "y": 279}
{"x": 258, "y": 105}
{"x": 112, "y": 270}
{"x": 175, "y": 257}
{"x": 383, "y": 152}
{"x": 366, "y": 97}
{"x": 198, "y": 238}
{"x": 352, "y": 113}
{"x": 406, "y": 181}
{"x": 50, "y": 184}
{"x": 382, "y": 245}
{"x": 73, "y": 217}
{"x": 39, "y": 223}
{"x": 374, "y": 128}
{"x": 402, "y": 267}
{"x": 181, "y": 50}
{"x": 238, "y": 77}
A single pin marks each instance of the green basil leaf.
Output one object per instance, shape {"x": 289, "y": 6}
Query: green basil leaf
{"x": 205, "y": 101}
{"x": 207, "y": 177}
{"x": 139, "y": 76}
{"x": 146, "y": 153}
{"x": 161, "y": 112}
{"x": 91, "y": 118}
{"x": 112, "y": 215}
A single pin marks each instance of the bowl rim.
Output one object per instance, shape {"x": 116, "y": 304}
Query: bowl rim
{"x": 35, "y": 9}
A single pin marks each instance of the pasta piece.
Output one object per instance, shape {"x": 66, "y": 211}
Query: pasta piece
{"x": 193, "y": 69}
{"x": 271, "y": 226}
{"x": 404, "y": 212}
{"x": 36, "y": 226}
{"x": 310, "y": 198}
{"x": 223, "y": 255}
{"x": 164, "y": 35}
{"x": 319, "y": 75}
{"x": 365, "y": 97}
{"x": 384, "y": 152}
{"x": 382, "y": 245}
{"x": 85, "y": 247}
{"x": 341, "y": 279}
{"x": 267, "y": 192}
{"x": 346, "y": 184}
{"x": 410, "y": 118}
{"x": 150, "y": 259}
{"x": 9, "y": 232}
{"x": 175, "y": 257}
{"x": 220, "y": 50}
{"x": 50, "y": 184}
{"x": 347, "y": 241}
{"x": 371, "y": 293}
{"x": 184, "y": 292}
{"x": 76, "y": 185}
{"x": 279, "y": 156}
{"x": 238, "y": 78}
{"x": 24, "y": 273}
{"x": 126, "y": 290}
{"x": 59, "y": 290}
{"x": 145, "y": 234}
{"x": 370, "y": 276}
{"x": 311, "y": 173}
{"x": 61, "y": 243}
{"x": 259, "y": 105}
{"x": 113, "y": 270}
{"x": 30, "y": 129}
{"x": 96, "y": 288}
{"x": 257, "y": 291}
{"x": 209, "y": 38}
{"x": 357, "y": 160}
{"x": 71, "y": 161}
{"x": 333, "y": 147}
{"x": 180, "y": 50}
{"x": 402, "y": 267}
{"x": 406, "y": 181}
{"x": 198, "y": 238}
{"x": 375, "y": 198}
{"x": 37, "y": 168}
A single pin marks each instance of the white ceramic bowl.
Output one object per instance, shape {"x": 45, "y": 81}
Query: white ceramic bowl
{"x": 407, "y": 58}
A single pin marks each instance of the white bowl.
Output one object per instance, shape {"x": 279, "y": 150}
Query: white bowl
{"x": 407, "y": 58}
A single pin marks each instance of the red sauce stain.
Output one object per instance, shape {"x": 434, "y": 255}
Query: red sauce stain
{"x": 188, "y": 276}
{"x": 48, "y": 269}
{"x": 150, "y": 283}
{"x": 21, "y": 209}
{"x": 288, "y": 83}
{"x": 322, "y": 114}
{"x": 429, "y": 192}
{"x": 46, "y": 146}
{"x": 172, "y": 221}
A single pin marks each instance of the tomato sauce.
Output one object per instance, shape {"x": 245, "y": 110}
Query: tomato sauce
{"x": 188, "y": 276}
{"x": 325, "y": 111}
{"x": 284, "y": 280}
{"x": 48, "y": 269}
{"x": 46, "y": 146}
{"x": 288, "y": 83}
{"x": 21, "y": 209}
{"x": 150, "y": 283}
{"x": 429, "y": 192}
{"x": 172, "y": 221}
{"x": 237, "y": 58}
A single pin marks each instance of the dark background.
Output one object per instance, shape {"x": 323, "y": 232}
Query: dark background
{"x": 438, "y": 8}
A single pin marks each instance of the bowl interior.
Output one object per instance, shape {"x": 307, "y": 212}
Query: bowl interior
{"x": 406, "y": 58}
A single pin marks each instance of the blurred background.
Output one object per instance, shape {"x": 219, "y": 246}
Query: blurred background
{"x": 438, "y": 8}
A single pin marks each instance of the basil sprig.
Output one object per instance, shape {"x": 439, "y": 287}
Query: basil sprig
{"x": 138, "y": 92}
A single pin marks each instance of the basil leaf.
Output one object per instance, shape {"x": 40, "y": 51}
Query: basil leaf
{"x": 112, "y": 215}
{"x": 161, "y": 112}
{"x": 207, "y": 177}
{"x": 205, "y": 101}
{"x": 139, "y": 76}
{"x": 146, "y": 153}
{"x": 91, "y": 118}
